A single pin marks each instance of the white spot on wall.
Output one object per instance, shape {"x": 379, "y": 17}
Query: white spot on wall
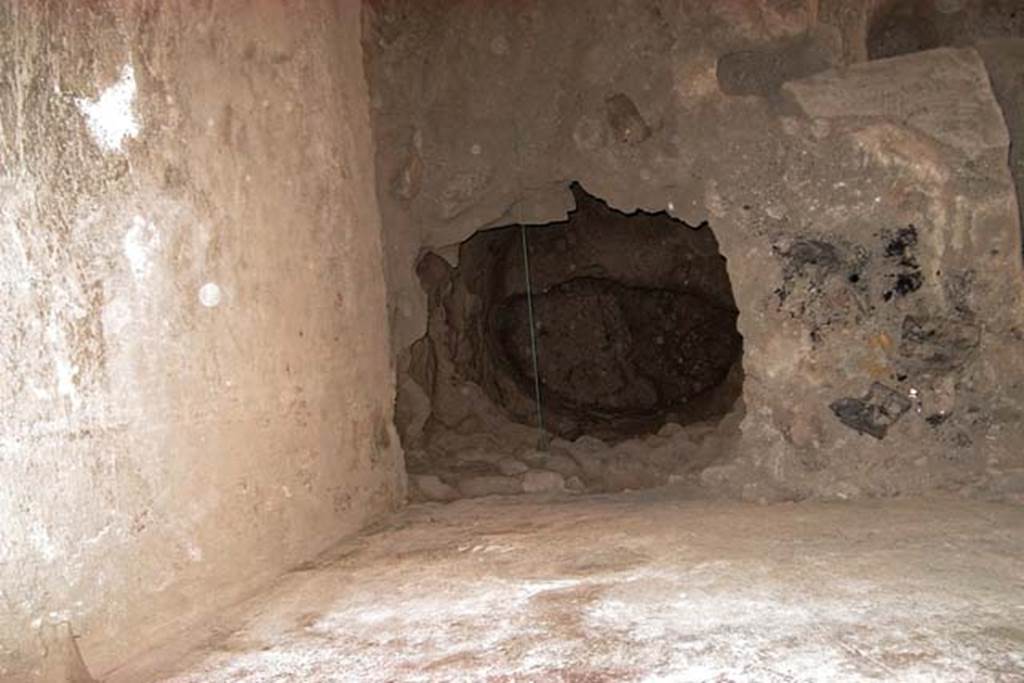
{"x": 139, "y": 244}
{"x": 195, "y": 553}
{"x": 117, "y": 315}
{"x": 210, "y": 295}
{"x": 111, "y": 116}
{"x": 44, "y": 545}
{"x": 64, "y": 370}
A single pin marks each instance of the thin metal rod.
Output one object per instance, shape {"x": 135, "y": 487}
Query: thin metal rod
{"x": 542, "y": 438}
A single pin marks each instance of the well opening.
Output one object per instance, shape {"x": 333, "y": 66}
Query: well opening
{"x": 633, "y": 335}
{"x": 634, "y": 322}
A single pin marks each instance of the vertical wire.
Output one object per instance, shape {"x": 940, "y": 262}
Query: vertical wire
{"x": 541, "y": 436}
{"x": 533, "y": 340}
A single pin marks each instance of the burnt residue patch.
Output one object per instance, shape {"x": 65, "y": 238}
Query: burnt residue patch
{"x": 874, "y": 413}
{"x": 900, "y": 250}
{"x": 807, "y": 263}
{"x": 958, "y": 286}
{"x": 823, "y": 283}
{"x": 938, "y": 343}
{"x": 817, "y": 256}
{"x": 814, "y": 260}
{"x": 901, "y": 244}
{"x": 907, "y": 283}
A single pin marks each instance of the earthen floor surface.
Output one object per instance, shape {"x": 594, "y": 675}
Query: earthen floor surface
{"x": 646, "y": 586}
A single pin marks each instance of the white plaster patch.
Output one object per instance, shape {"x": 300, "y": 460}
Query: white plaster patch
{"x": 43, "y": 544}
{"x": 195, "y": 553}
{"x": 210, "y": 295}
{"x": 117, "y": 315}
{"x": 64, "y": 370}
{"x": 111, "y": 116}
{"x": 139, "y": 244}
{"x": 14, "y": 258}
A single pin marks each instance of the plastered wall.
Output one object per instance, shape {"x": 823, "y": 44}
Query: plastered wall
{"x": 196, "y": 392}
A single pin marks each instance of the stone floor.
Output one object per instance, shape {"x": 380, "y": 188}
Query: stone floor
{"x": 649, "y": 586}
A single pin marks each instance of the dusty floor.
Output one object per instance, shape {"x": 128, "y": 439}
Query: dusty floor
{"x": 646, "y": 586}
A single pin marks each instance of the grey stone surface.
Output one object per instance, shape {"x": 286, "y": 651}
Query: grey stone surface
{"x": 873, "y": 414}
{"x": 1003, "y": 58}
{"x": 943, "y": 94}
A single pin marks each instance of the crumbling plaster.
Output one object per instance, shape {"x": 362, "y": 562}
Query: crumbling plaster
{"x": 197, "y": 392}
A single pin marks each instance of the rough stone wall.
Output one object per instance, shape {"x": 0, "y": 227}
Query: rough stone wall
{"x": 994, "y": 27}
{"x": 867, "y": 212}
{"x": 1003, "y": 59}
{"x": 197, "y": 391}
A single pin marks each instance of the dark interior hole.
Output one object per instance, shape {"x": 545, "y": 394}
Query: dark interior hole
{"x": 614, "y": 355}
{"x": 900, "y": 28}
{"x": 634, "y": 316}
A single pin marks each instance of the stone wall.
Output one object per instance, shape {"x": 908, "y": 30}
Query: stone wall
{"x": 866, "y": 212}
{"x": 197, "y": 392}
